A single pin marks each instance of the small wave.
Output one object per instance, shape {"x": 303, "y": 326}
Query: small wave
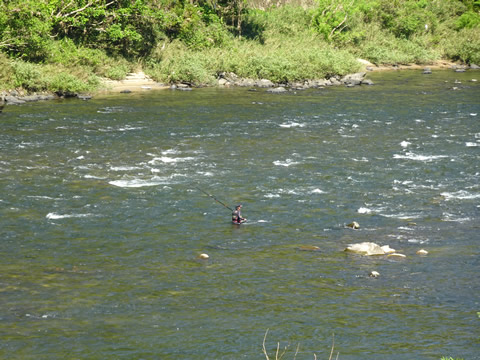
{"x": 416, "y": 157}
{"x": 137, "y": 183}
{"x": 453, "y": 218}
{"x": 292, "y": 125}
{"x": 317, "y": 191}
{"x": 42, "y": 197}
{"x": 55, "y": 216}
{"x": 110, "y": 110}
{"x": 417, "y": 241}
{"x": 401, "y": 216}
{"x": 271, "y": 196}
{"x": 405, "y": 144}
{"x": 168, "y": 152}
{"x": 93, "y": 177}
{"x": 129, "y": 128}
{"x": 124, "y": 168}
{"x": 286, "y": 163}
{"x": 460, "y": 195}
{"x": 364, "y": 210}
{"x": 169, "y": 160}
{"x": 471, "y": 144}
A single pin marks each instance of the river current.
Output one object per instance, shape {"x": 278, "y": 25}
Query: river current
{"x": 102, "y": 220}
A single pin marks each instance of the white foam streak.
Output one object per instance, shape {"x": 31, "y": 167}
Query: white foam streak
{"x": 169, "y": 160}
{"x": 286, "y": 163}
{"x": 292, "y": 125}
{"x": 137, "y": 183}
{"x": 416, "y": 157}
{"x": 364, "y": 210}
{"x": 124, "y": 168}
{"x": 55, "y": 216}
{"x": 460, "y": 195}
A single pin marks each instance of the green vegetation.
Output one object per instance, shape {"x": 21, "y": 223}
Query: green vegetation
{"x": 67, "y": 46}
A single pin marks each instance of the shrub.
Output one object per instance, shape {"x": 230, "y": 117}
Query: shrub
{"x": 6, "y": 72}
{"x": 28, "y": 76}
{"x": 468, "y": 20}
{"x": 463, "y": 45}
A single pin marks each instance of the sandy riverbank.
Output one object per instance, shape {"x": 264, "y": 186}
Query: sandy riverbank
{"x": 133, "y": 82}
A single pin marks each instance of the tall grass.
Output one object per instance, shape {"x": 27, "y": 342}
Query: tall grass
{"x": 279, "y": 46}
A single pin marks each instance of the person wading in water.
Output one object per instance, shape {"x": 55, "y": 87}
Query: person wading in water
{"x": 237, "y": 215}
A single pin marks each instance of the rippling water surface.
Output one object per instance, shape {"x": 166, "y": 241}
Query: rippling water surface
{"x": 102, "y": 222}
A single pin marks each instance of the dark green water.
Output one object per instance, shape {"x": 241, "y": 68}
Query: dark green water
{"x": 101, "y": 223}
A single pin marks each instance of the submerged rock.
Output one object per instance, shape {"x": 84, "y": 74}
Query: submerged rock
{"x": 397, "y": 255}
{"x": 308, "y": 248}
{"x": 203, "y": 256}
{"x": 422, "y": 252}
{"x": 277, "y": 90}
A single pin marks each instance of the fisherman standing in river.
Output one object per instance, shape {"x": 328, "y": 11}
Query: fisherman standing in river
{"x": 237, "y": 215}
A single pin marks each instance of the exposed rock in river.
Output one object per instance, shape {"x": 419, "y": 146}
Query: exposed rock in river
{"x": 369, "y": 248}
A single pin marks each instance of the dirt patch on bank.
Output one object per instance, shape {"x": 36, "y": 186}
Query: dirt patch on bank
{"x": 436, "y": 65}
{"x": 134, "y": 82}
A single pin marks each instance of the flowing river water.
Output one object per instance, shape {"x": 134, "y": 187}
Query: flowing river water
{"x": 102, "y": 222}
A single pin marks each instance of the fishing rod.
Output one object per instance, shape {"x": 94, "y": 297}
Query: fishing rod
{"x": 214, "y": 198}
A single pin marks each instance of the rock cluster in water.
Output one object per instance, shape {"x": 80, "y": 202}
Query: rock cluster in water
{"x": 230, "y": 79}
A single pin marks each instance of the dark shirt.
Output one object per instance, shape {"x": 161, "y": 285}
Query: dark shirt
{"x": 236, "y": 215}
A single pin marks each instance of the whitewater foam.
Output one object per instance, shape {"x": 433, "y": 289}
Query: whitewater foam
{"x": 286, "y": 163}
{"x": 460, "y": 195}
{"x": 417, "y": 157}
{"x": 292, "y": 125}
{"x": 55, "y": 216}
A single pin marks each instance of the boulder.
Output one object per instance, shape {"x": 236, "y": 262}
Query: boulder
{"x": 277, "y": 90}
{"x": 367, "y": 82}
{"x": 353, "y": 79}
{"x": 13, "y": 100}
{"x": 387, "y": 249}
{"x": 474, "y": 66}
{"x": 264, "y": 83}
{"x": 427, "y": 71}
{"x": 370, "y": 248}
{"x": 422, "y": 252}
{"x": 354, "y": 225}
{"x": 365, "y": 248}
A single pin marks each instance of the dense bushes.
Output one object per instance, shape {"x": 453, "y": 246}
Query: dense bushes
{"x": 192, "y": 41}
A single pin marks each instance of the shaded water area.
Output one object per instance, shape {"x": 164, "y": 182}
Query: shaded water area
{"x": 102, "y": 222}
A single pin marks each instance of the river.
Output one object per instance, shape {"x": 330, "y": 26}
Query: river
{"x": 102, "y": 222}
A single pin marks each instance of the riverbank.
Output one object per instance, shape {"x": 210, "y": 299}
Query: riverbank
{"x": 140, "y": 82}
